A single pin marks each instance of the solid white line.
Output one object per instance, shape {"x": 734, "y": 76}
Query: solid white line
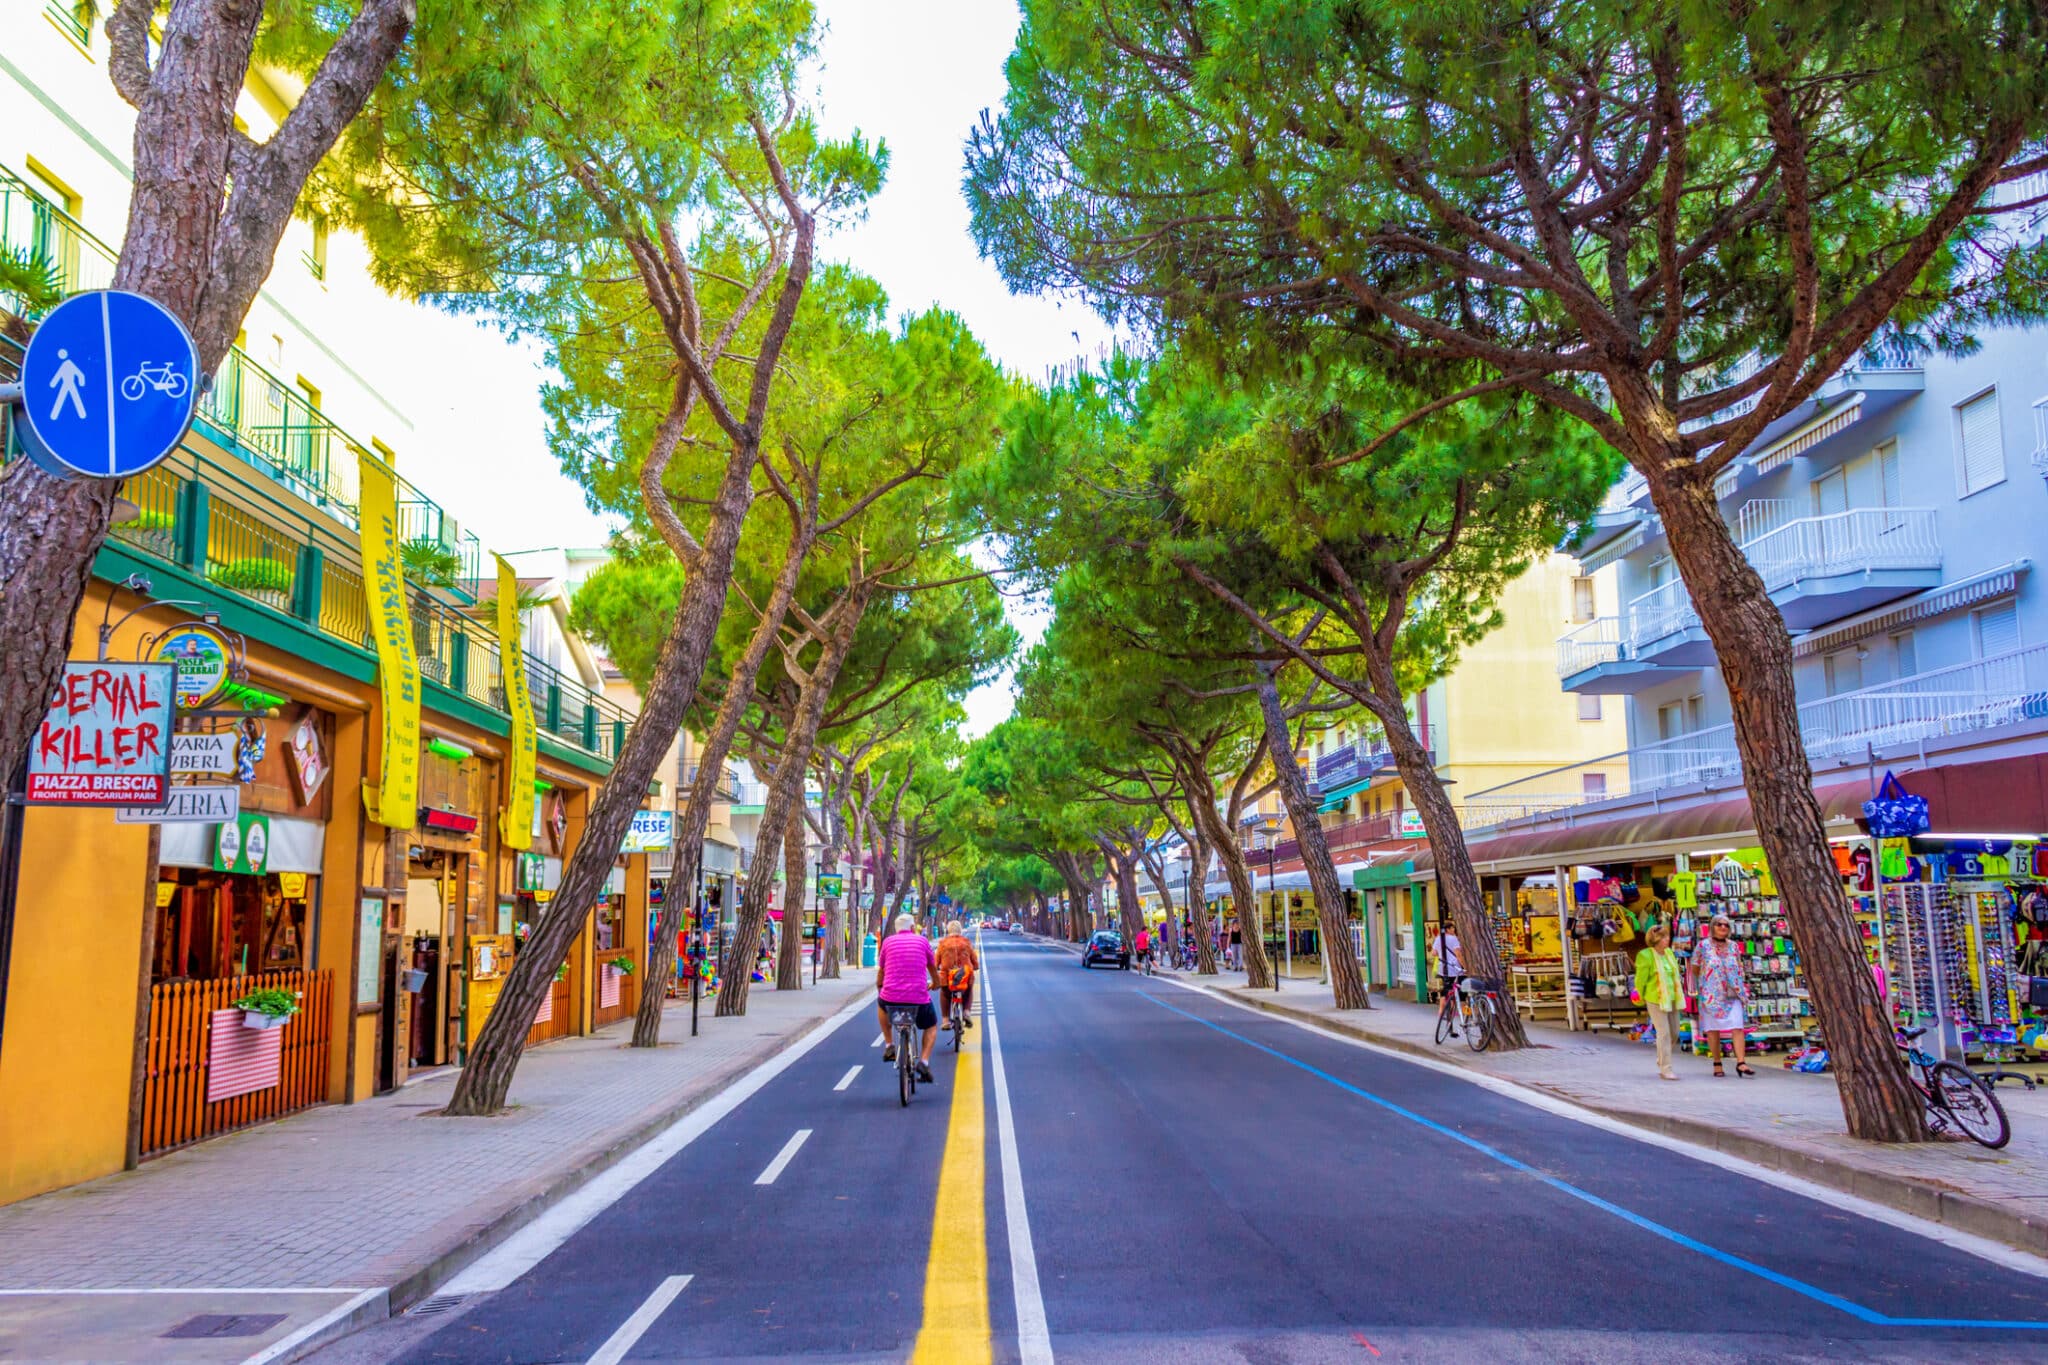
{"x": 1034, "y": 1340}
{"x": 286, "y": 1348}
{"x": 633, "y": 1328}
{"x": 525, "y": 1249}
{"x": 847, "y": 1079}
{"x": 783, "y": 1157}
{"x": 1984, "y": 1248}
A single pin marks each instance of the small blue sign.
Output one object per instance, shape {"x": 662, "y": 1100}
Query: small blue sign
{"x": 109, "y": 384}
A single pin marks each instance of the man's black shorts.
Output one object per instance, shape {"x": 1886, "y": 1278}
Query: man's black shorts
{"x": 927, "y": 1017}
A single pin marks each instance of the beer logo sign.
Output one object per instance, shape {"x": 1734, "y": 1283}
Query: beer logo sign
{"x": 200, "y": 656}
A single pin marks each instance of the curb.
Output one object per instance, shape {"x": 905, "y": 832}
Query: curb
{"x": 418, "y": 1283}
{"x": 1951, "y": 1208}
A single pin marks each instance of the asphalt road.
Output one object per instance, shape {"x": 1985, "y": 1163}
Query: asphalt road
{"x": 1206, "y": 1183}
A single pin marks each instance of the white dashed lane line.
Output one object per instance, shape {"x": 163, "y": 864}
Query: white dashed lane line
{"x": 847, "y": 1079}
{"x": 783, "y": 1157}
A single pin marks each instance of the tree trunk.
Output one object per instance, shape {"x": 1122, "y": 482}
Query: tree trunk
{"x": 784, "y": 810}
{"x": 1129, "y": 915}
{"x": 1754, "y": 653}
{"x": 736, "y": 973}
{"x": 199, "y": 242}
{"x": 481, "y": 1087}
{"x": 789, "y": 963}
{"x": 739, "y": 690}
{"x": 1258, "y": 970}
{"x": 1198, "y": 906}
{"x": 1171, "y": 929}
{"x": 1457, "y": 883}
{"x": 1347, "y": 985}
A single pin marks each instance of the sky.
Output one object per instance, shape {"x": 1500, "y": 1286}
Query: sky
{"x": 915, "y": 74}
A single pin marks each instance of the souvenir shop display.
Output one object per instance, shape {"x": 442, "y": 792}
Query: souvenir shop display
{"x": 1779, "y": 1008}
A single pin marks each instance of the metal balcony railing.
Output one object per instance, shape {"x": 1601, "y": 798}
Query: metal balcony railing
{"x": 1588, "y": 646}
{"x": 1970, "y": 698}
{"x": 1785, "y": 550}
{"x": 249, "y": 411}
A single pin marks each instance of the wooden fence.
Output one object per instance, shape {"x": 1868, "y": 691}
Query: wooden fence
{"x": 556, "y": 1019}
{"x": 174, "y": 1106}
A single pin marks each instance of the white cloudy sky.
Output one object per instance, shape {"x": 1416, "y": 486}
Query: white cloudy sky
{"x": 914, "y": 73}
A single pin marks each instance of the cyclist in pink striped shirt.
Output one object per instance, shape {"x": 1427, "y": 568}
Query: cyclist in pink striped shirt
{"x": 907, "y": 973}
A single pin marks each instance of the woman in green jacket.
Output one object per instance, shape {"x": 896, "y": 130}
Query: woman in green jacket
{"x": 1658, "y": 982}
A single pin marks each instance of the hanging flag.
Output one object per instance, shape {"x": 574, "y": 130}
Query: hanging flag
{"x": 393, "y": 801}
{"x": 515, "y": 826}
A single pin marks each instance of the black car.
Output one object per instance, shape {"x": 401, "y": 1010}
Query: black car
{"x": 1107, "y": 945}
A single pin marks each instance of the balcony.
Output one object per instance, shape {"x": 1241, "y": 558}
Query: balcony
{"x": 1595, "y": 657}
{"x": 1352, "y": 767}
{"x": 1948, "y": 705}
{"x": 252, "y": 506}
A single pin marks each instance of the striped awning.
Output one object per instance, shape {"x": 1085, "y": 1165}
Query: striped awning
{"x": 1618, "y": 548}
{"x": 1948, "y": 597}
{"x": 1808, "y": 435}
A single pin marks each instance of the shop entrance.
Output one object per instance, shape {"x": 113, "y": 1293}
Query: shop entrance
{"x": 443, "y": 907}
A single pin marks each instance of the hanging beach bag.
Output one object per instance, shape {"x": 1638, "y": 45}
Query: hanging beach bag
{"x": 1894, "y": 813}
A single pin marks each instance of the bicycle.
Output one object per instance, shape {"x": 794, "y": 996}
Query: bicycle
{"x": 164, "y": 378}
{"x": 1472, "y": 1005}
{"x": 1955, "y": 1096}
{"x": 956, "y": 1019}
{"x": 903, "y": 1024}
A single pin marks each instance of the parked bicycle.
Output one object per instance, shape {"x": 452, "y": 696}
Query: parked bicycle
{"x": 903, "y": 1027}
{"x": 1469, "y": 1009}
{"x": 1955, "y": 1096}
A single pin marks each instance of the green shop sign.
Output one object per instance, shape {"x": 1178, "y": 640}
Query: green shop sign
{"x": 243, "y": 846}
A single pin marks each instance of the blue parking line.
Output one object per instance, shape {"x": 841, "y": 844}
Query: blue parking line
{"x": 1797, "y": 1286}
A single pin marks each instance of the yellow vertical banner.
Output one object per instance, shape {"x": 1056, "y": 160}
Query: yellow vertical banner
{"x": 393, "y": 800}
{"x": 515, "y": 826}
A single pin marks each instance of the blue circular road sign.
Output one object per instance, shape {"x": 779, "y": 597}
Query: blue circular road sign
{"x": 109, "y": 384}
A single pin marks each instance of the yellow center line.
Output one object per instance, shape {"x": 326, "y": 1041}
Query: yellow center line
{"x": 955, "y": 1328}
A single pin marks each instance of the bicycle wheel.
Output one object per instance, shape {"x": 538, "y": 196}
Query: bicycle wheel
{"x": 1479, "y": 1029}
{"x": 906, "y": 1079}
{"x": 959, "y": 1028}
{"x": 1971, "y": 1104}
{"x": 1446, "y": 1022}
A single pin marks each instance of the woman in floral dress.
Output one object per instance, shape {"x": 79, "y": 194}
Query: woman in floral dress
{"x": 1723, "y": 991}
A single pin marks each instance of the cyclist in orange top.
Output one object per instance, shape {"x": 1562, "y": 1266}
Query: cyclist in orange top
{"x": 958, "y": 962}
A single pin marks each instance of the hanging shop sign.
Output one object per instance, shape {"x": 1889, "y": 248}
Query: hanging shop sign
{"x": 203, "y": 755}
{"x": 447, "y": 821}
{"x": 1411, "y": 824}
{"x": 243, "y": 845}
{"x": 109, "y": 381}
{"x": 291, "y": 885}
{"x": 204, "y": 661}
{"x": 831, "y": 884}
{"x": 558, "y": 822}
{"x": 515, "y": 824}
{"x": 529, "y": 873}
{"x": 650, "y": 830}
{"x": 305, "y": 759}
{"x": 393, "y": 799}
{"x": 105, "y": 739}
{"x": 187, "y": 806}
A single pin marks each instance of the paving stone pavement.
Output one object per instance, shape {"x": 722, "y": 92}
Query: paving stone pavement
{"x": 1791, "y": 1120}
{"x": 366, "y": 1194}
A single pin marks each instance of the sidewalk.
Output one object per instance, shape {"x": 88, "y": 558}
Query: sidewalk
{"x": 377, "y": 1201}
{"x": 1789, "y": 1121}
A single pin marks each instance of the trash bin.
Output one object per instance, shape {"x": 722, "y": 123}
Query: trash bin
{"x": 867, "y": 950}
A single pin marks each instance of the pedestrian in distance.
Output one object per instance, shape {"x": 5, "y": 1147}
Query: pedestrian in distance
{"x": 1657, "y": 981}
{"x": 1450, "y": 962}
{"x": 1723, "y": 992}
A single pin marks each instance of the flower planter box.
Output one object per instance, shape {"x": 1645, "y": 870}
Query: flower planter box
{"x": 256, "y": 1019}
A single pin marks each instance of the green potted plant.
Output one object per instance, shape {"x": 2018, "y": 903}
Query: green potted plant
{"x": 562, "y": 972}
{"x": 622, "y": 964}
{"x": 268, "y": 1008}
{"x": 268, "y": 581}
{"x": 428, "y": 564}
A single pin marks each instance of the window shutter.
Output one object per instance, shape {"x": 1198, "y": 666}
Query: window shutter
{"x": 1983, "y": 453}
{"x": 1889, "y": 484}
{"x": 1998, "y": 630}
{"x": 1589, "y": 706}
{"x": 1831, "y": 493}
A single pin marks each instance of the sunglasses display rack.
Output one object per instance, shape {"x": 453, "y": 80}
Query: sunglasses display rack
{"x": 1926, "y": 954}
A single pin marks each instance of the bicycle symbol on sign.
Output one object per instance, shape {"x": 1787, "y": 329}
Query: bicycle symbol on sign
{"x": 164, "y": 378}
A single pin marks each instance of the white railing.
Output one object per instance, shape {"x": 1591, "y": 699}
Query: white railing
{"x": 1846, "y": 542}
{"x": 1860, "y": 539}
{"x": 2041, "y": 437}
{"x": 1965, "y": 699}
{"x": 1590, "y": 645}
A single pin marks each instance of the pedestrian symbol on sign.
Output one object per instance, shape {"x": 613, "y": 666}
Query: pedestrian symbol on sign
{"x": 66, "y": 382}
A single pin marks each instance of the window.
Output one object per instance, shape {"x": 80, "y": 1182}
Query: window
{"x": 1889, "y": 485}
{"x": 1844, "y": 671}
{"x": 1593, "y": 784}
{"x": 1589, "y": 706}
{"x": 1831, "y": 492}
{"x": 316, "y": 257}
{"x": 1997, "y": 629}
{"x": 1582, "y": 599}
{"x": 1662, "y": 571}
{"x": 1905, "y": 656}
{"x": 1695, "y": 714}
{"x": 1671, "y": 720}
{"x": 1980, "y": 445}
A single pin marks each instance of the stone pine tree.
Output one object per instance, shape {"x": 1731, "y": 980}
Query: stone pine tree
{"x": 639, "y": 184}
{"x": 1673, "y": 222}
{"x": 206, "y": 212}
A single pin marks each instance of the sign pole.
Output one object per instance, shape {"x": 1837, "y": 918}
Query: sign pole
{"x": 10, "y": 879}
